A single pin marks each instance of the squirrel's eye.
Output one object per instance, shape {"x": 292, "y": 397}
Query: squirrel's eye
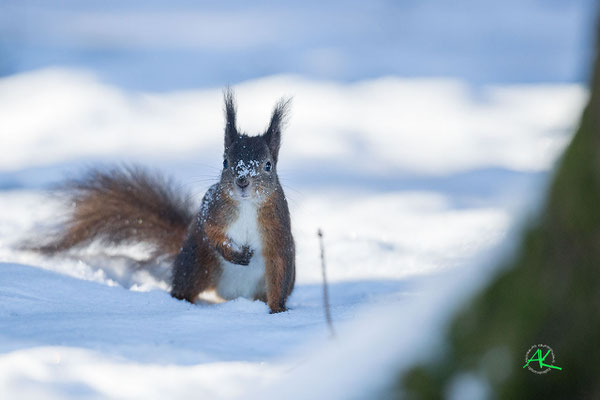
{"x": 225, "y": 164}
{"x": 268, "y": 166}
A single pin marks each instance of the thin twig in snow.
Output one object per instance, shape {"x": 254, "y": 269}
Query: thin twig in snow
{"x": 325, "y": 291}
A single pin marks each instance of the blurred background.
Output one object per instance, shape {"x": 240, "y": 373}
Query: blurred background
{"x": 422, "y": 133}
{"x": 388, "y": 94}
{"x": 160, "y": 46}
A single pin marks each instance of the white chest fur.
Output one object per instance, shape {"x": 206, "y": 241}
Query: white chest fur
{"x": 244, "y": 280}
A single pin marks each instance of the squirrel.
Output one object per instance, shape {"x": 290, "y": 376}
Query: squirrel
{"x": 239, "y": 243}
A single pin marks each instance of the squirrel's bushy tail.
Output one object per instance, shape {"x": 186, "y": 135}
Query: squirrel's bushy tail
{"x": 123, "y": 205}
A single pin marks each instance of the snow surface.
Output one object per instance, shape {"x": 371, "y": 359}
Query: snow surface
{"x": 414, "y": 182}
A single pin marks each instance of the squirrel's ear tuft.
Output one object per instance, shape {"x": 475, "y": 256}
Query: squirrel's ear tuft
{"x": 278, "y": 120}
{"x": 230, "y": 117}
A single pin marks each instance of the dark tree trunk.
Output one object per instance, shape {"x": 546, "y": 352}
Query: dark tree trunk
{"x": 549, "y": 294}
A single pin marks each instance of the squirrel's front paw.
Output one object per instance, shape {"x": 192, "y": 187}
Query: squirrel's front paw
{"x": 243, "y": 256}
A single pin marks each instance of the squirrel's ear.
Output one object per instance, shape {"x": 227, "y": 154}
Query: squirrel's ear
{"x": 230, "y": 117}
{"x": 273, "y": 134}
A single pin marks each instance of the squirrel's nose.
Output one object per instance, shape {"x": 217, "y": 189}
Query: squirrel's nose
{"x": 242, "y": 181}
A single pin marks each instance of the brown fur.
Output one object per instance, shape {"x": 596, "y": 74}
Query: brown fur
{"x": 130, "y": 205}
{"x": 198, "y": 266}
{"x": 123, "y": 206}
{"x": 278, "y": 251}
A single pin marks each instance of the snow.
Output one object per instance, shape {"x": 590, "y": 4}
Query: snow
{"x": 380, "y": 126}
{"x": 242, "y": 169}
{"x": 415, "y": 183}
